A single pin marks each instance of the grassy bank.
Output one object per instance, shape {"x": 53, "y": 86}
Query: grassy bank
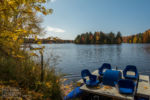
{"x": 22, "y": 72}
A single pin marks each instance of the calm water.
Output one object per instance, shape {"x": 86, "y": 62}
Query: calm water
{"x": 73, "y": 58}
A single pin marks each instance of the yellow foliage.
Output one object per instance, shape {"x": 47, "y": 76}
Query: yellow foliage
{"x": 44, "y": 12}
{"x": 36, "y": 38}
{"x": 39, "y": 42}
{"x": 33, "y": 68}
{"x": 20, "y": 30}
{"x": 18, "y": 22}
{"x": 135, "y": 39}
{"x": 33, "y": 54}
{"x": 19, "y": 56}
{"x": 13, "y": 53}
{"x": 48, "y": 84}
{"x": 15, "y": 38}
{"x": 37, "y": 8}
{"x": 97, "y": 38}
{"x": 11, "y": 2}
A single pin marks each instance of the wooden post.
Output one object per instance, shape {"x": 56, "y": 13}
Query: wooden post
{"x": 42, "y": 68}
{"x": 42, "y": 64}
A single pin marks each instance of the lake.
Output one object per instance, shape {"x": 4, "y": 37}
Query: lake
{"x": 72, "y": 58}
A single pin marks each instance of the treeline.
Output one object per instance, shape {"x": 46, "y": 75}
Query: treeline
{"x": 99, "y": 38}
{"x": 138, "y": 38}
{"x": 46, "y": 41}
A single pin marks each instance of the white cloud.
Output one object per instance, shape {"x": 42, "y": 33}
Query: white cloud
{"x": 55, "y": 30}
{"x": 53, "y": 0}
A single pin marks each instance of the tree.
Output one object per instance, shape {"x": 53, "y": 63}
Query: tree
{"x": 87, "y": 38}
{"x": 118, "y": 38}
{"x": 91, "y": 38}
{"x": 135, "y": 39}
{"x": 99, "y": 38}
{"x": 146, "y": 36}
{"x": 111, "y": 38}
{"x": 102, "y": 37}
{"x": 140, "y": 38}
{"x": 96, "y": 37}
{"x": 83, "y": 41}
{"x": 77, "y": 40}
{"x": 18, "y": 19}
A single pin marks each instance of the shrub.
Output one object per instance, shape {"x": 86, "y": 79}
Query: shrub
{"x": 25, "y": 73}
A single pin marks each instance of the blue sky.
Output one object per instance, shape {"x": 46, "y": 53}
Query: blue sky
{"x": 73, "y": 17}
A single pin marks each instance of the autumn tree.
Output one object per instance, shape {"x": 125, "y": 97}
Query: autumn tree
{"x": 86, "y": 38}
{"x": 138, "y": 38}
{"x": 146, "y": 36}
{"x": 91, "y": 38}
{"x": 96, "y": 37}
{"x": 19, "y": 19}
{"x": 99, "y": 38}
{"x": 134, "y": 39}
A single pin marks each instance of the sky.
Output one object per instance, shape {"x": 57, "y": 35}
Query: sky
{"x": 73, "y": 17}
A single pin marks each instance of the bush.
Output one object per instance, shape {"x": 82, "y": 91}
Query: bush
{"x": 25, "y": 73}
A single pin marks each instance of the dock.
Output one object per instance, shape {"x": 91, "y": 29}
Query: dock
{"x": 143, "y": 89}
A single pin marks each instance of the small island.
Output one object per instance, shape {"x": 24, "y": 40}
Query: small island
{"x": 111, "y": 38}
{"x": 99, "y": 38}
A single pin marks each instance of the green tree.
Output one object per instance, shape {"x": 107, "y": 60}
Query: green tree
{"x": 77, "y": 39}
{"x": 102, "y": 37}
{"x": 111, "y": 38}
{"x": 118, "y": 38}
{"x": 140, "y": 38}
